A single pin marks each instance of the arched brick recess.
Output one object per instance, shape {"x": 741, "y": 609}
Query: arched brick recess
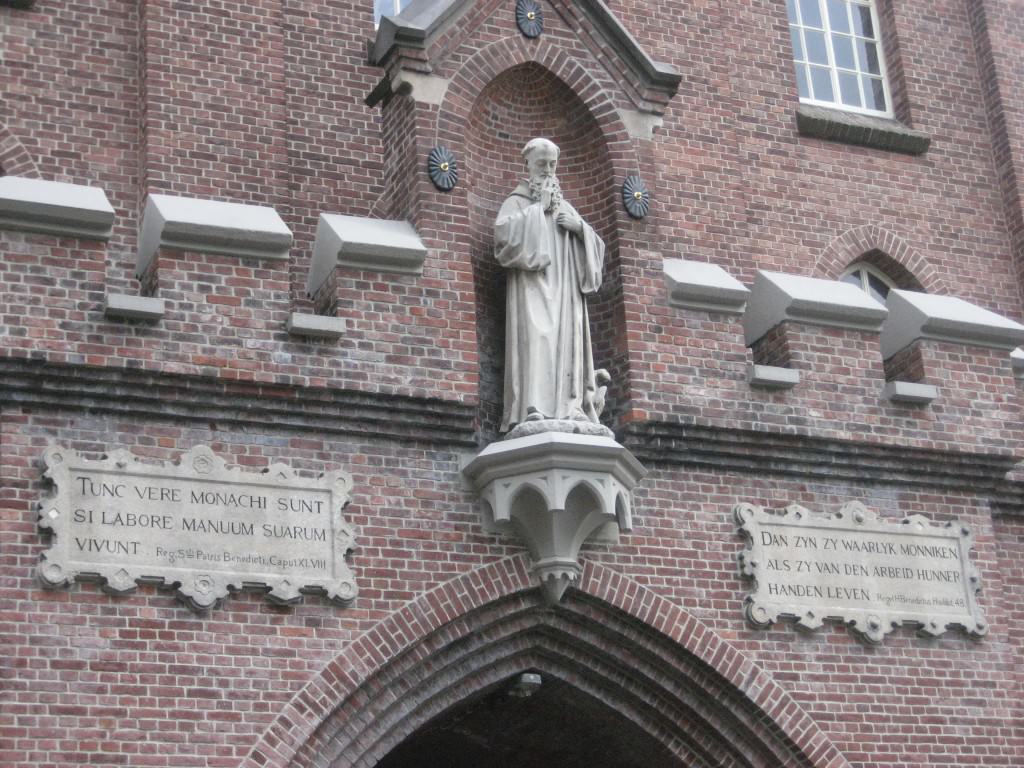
{"x": 659, "y": 665}
{"x": 886, "y": 250}
{"x": 521, "y": 103}
{"x": 505, "y": 94}
{"x": 14, "y": 158}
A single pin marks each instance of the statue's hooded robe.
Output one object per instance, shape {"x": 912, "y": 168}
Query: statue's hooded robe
{"x": 549, "y": 365}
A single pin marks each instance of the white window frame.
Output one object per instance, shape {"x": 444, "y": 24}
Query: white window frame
{"x": 834, "y": 69}
{"x": 866, "y": 268}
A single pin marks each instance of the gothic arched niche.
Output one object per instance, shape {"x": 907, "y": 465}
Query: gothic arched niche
{"x": 522, "y": 103}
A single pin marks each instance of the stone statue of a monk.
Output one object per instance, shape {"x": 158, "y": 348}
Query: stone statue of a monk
{"x": 554, "y": 259}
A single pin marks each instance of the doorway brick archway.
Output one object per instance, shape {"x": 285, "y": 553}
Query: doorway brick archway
{"x": 612, "y": 638}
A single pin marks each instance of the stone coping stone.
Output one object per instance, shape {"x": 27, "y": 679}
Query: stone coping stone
{"x": 316, "y": 326}
{"x": 210, "y": 226}
{"x": 777, "y": 297}
{"x": 699, "y": 285}
{"x": 120, "y": 306}
{"x": 910, "y": 392}
{"x": 772, "y": 376}
{"x": 55, "y": 208}
{"x": 914, "y": 315}
{"x": 356, "y": 242}
{"x": 856, "y": 128}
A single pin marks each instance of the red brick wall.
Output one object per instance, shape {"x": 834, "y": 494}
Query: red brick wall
{"x": 263, "y": 103}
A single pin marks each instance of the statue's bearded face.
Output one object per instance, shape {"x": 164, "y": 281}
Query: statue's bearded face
{"x": 543, "y": 183}
{"x": 542, "y": 163}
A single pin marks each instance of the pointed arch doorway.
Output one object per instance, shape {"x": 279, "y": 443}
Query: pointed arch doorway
{"x": 635, "y": 652}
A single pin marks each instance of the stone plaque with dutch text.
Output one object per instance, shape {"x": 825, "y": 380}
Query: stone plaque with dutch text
{"x": 197, "y": 524}
{"x": 854, "y": 567}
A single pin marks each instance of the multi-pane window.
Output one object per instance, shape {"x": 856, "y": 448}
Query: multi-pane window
{"x": 872, "y": 281}
{"x": 838, "y": 54}
{"x": 387, "y": 8}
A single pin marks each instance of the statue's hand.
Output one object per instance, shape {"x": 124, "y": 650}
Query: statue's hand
{"x": 571, "y": 221}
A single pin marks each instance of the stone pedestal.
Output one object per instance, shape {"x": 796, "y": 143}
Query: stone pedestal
{"x": 556, "y": 490}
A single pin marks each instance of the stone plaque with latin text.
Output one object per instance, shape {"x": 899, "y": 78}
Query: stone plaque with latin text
{"x": 854, "y": 567}
{"x": 197, "y": 524}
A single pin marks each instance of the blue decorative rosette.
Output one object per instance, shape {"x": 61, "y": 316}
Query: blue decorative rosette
{"x": 529, "y": 18}
{"x": 443, "y": 168}
{"x": 635, "y": 197}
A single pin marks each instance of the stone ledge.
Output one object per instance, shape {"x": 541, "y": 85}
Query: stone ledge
{"x": 772, "y": 376}
{"x": 316, "y": 326}
{"x": 771, "y": 453}
{"x": 120, "y": 306}
{"x": 210, "y": 226}
{"x": 697, "y": 285}
{"x": 189, "y": 398}
{"x": 864, "y": 130}
{"x": 776, "y": 298}
{"x": 914, "y": 316}
{"x": 360, "y": 243}
{"x": 909, "y": 392}
{"x": 55, "y": 208}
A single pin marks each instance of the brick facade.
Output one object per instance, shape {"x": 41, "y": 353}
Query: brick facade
{"x": 265, "y": 103}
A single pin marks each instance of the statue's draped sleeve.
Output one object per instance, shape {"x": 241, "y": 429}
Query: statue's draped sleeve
{"x": 589, "y": 260}
{"x": 520, "y": 236}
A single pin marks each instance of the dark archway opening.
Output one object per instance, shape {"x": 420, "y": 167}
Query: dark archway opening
{"x": 556, "y": 725}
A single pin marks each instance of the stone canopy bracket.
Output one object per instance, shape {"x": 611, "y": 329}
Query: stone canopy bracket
{"x": 555, "y": 491}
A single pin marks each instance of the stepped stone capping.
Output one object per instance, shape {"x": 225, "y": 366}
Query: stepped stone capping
{"x": 55, "y": 208}
{"x": 556, "y": 490}
{"x": 316, "y": 326}
{"x": 699, "y": 285}
{"x": 415, "y": 26}
{"x": 120, "y": 306}
{"x": 854, "y": 128}
{"x": 776, "y": 298}
{"x": 772, "y": 376}
{"x": 356, "y": 242}
{"x": 914, "y": 316}
{"x": 210, "y": 226}
{"x": 910, "y": 392}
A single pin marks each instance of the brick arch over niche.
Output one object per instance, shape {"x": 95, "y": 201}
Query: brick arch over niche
{"x": 907, "y": 267}
{"x": 14, "y": 158}
{"x": 614, "y": 639}
{"x": 521, "y": 103}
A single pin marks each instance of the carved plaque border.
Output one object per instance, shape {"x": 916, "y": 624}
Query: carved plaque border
{"x": 199, "y": 588}
{"x": 876, "y": 619}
